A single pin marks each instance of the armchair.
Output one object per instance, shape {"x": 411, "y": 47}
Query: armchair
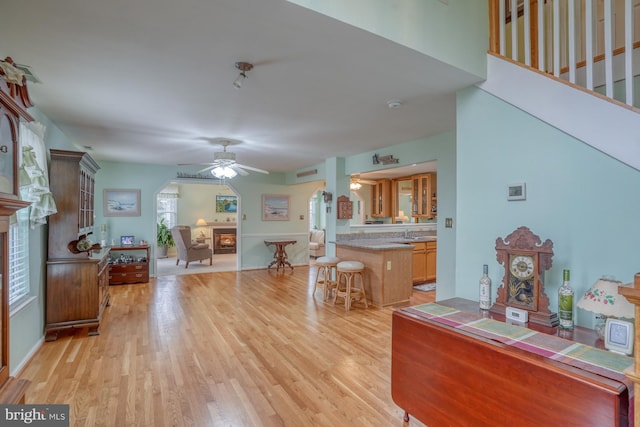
{"x": 189, "y": 250}
{"x": 316, "y": 243}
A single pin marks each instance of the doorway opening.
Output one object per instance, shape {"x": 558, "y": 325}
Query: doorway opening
{"x": 211, "y": 210}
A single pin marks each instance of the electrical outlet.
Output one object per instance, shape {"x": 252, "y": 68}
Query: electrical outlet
{"x": 448, "y": 222}
{"x": 388, "y": 265}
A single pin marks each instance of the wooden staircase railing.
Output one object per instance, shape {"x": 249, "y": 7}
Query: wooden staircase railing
{"x": 590, "y": 43}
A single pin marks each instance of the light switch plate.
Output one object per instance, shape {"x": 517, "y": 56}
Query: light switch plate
{"x": 517, "y": 314}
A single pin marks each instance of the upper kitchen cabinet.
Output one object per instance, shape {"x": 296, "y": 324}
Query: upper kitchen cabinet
{"x": 424, "y": 196}
{"x": 381, "y": 199}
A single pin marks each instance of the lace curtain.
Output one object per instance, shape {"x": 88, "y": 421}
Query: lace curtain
{"x": 33, "y": 175}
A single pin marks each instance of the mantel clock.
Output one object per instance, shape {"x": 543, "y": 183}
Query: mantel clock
{"x": 525, "y": 259}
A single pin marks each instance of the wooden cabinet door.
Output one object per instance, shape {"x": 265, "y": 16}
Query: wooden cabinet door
{"x": 380, "y": 199}
{"x": 431, "y": 258}
{"x": 423, "y": 196}
{"x": 419, "y": 263}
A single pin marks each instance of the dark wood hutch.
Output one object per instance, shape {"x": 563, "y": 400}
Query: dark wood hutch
{"x": 77, "y": 276}
{"x": 14, "y": 101}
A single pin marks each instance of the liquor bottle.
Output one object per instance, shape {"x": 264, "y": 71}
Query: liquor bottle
{"x": 485, "y": 289}
{"x": 565, "y": 302}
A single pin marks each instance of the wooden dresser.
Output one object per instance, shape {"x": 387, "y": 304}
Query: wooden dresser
{"x": 134, "y": 268}
{"x": 77, "y": 283}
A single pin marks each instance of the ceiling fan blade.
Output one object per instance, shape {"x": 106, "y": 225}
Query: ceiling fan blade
{"x": 208, "y": 168}
{"x": 252, "y": 168}
{"x": 236, "y": 167}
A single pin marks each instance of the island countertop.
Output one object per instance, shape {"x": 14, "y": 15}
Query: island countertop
{"x": 388, "y": 273}
{"x": 385, "y": 244}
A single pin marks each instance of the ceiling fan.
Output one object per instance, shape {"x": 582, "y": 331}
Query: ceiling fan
{"x": 224, "y": 164}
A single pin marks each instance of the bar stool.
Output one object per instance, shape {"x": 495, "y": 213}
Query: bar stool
{"x": 348, "y": 270}
{"x": 326, "y": 266}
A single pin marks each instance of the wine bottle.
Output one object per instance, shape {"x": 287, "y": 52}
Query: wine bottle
{"x": 565, "y": 302}
{"x": 485, "y": 289}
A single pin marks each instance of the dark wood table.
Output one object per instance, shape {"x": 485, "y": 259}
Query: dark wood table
{"x": 280, "y": 258}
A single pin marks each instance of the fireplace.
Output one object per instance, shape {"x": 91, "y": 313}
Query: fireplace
{"x": 224, "y": 240}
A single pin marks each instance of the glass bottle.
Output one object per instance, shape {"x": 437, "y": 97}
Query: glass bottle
{"x": 485, "y": 289}
{"x": 565, "y": 302}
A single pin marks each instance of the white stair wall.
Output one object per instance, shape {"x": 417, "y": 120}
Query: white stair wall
{"x": 607, "y": 126}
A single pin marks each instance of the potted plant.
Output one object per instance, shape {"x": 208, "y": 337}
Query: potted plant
{"x": 164, "y": 239}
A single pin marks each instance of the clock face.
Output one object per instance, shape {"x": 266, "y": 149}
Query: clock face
{"x": 522, "y": 266}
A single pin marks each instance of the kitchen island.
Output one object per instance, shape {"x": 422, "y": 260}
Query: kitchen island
{"x": 388, "y": 268}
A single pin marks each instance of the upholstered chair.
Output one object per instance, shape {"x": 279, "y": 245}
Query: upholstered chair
{"x": 188, "y": 249}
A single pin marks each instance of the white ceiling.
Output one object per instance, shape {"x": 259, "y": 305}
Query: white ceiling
{"x": 149, "y": 81}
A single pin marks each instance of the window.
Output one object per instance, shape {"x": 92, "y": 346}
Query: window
{"x": 19, "y": 290}
{"x": 168, "y": 208}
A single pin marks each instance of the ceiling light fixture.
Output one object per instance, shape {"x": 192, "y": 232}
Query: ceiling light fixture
{"x": 223, "y": 172}
{"x": 394, "y": 103}
{"x": 355, "y": 182}
{"x": 243, "y": 67}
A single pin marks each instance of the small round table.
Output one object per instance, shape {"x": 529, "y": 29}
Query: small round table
{"x": 280, "y": 254}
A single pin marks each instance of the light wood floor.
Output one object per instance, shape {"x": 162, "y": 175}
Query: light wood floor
{"x": 247, "y": 348}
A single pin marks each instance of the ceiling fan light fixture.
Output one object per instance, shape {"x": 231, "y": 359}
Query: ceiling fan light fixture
{"x": 243, "y": 67}
{"x": 223, "y": 172}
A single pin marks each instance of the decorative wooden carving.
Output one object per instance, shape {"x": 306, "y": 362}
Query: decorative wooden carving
{"x": 525, "y": 259}
{"x": 14, "y": 100}
{"x": 17, "y": 92}
{"x": 345, "y": 208}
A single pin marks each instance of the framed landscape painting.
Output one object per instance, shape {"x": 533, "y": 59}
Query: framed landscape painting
{"x": 118, "y": 202}
{"x": 275, "y": 207}
{"x": 226, "y": 204}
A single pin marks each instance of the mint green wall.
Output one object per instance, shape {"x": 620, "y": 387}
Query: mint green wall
{"x": 252, "y": 231}
{"x": 27, "y": 325}
{"x": 581, "y": 199}
{"x": 441, "y": 148}
{"x": 456, "y": 33}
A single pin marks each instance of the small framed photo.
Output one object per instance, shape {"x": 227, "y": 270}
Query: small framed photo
{"x": 517, "y": 191}
{"x": 275, "y": 207}
{"x": 618, "y": 336}
{"x": 118, "y": 202}
{"x": 127, "y": 240}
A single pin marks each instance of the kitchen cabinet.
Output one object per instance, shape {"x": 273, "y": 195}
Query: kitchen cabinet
{"x": 129, "y": 264}
{"x": 419, "y": 263}
{"x": 431, "y": 250}
{"x": 424, "y": 196}
{"x": 424, "y": 262}
{"x": 381, "y": 199}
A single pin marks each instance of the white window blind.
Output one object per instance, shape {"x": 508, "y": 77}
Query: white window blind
{"x": 168, "y": 208}
{"x": 19, "y": 288}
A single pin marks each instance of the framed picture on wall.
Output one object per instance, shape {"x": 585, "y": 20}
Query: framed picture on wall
{"x": 226, "y": 204}
{"x": 275, "y": 207}
{"x": 120, "y": 202}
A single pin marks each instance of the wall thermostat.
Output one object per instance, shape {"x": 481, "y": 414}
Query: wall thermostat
{"x": 517, "y": 314}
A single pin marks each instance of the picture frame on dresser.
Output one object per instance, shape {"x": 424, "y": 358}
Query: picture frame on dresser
{"x": 121, "y": 202}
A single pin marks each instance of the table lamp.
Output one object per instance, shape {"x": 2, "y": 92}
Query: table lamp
{"x": 603, "y": 299}
{"x": 201, "y": 223}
